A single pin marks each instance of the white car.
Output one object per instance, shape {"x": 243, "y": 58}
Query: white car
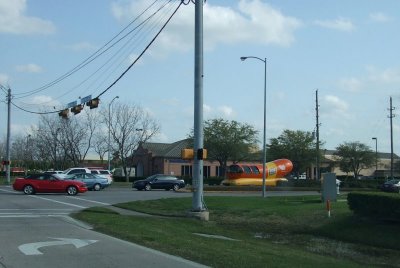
{"x": 71, "y": 171}
{"x": 103, "y": 173}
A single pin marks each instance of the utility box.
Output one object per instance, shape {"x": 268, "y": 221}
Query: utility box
{"x": 329, "y": 187}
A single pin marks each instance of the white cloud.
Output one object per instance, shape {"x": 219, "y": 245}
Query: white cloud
{"x": 29, "y": 68}
{"x": 340, "y": 24}
{"x": 45, "y": 103}
{"x": 251, "y": 22}
{"x": 226, "y": 111}
{"x": 14, "y": 20}
{"x": 3, "y": 79}
{"x": 351, "y": 84}
{"x": 334, "y": 107}
{"x": 379, "y": 17}
{"x": 389, "y": 75}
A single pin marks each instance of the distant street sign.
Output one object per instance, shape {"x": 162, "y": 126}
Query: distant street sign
{"x": 72, "y": 104}
{"x": 86, "y": 99}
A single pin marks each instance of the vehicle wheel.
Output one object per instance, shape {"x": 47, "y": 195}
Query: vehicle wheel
{"x": 176, "y": 187}
{"x": 147, "y": 187}
{"x": 72, "y": 190}
{"x": 97, "y": 187}
{"x": 28, "y": 189}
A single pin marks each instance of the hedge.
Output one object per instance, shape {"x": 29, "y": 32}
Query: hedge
{"x": 381, "y": 206}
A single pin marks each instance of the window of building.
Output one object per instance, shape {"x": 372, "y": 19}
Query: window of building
{"x": 218, "y": 171}
{"x": 186, "y": 170}
{"x": 206, "y": 171}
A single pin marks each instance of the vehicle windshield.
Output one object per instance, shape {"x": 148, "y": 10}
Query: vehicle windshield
{"x": 152, "y": 177}
{"x": 393, "y": 182}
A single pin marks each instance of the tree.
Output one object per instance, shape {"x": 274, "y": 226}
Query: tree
{"x": 354, "y": 157}
{"x": 297, "y": 146}
{"x": 100, "y": 145}
{"x": 129, "y": 126}
{"x": 228, "y": 140}
{"x": 65, "y": 141}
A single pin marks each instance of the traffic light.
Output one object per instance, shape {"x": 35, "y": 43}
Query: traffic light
{"x": 77, "y": 109}
{"x": 64, "y": 113}
{"x": 187, "y": 154}
{"x": 94, "y": 103}
{"x": 201, "y": 154}
{"x": 5, "y": 162}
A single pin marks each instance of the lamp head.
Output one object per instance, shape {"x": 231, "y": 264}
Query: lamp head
{"x": 243, "y": 58}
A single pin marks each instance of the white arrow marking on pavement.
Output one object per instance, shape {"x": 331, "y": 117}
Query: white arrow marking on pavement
{"x": 33, "y": 248}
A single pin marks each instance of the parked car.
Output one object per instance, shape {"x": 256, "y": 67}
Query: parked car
{"x": 48, "y": 183}
{"x": 159, "y": 181}
{"x": 54, "y": 172}
{"x": 71, "y": 171}
{"x": 92, "y": 182}
{"x": 391, "y": 186}
{"x": 103, "y": 173}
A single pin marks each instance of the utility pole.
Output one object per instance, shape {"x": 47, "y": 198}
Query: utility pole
{"x": 391, "y": 137}
{"x": 198, "y": 207}
{"x": 317, "y": 175}
{"x": 8, "y": 136}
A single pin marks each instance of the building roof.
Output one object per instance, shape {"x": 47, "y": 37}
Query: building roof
{"x": 169, "y": 150}
{"x": 380, "y": 155}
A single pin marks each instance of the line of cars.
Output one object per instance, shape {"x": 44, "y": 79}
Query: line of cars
{"x": 71, "y": 181}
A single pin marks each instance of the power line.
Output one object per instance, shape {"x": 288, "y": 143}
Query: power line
{"x": 89, "y": 58}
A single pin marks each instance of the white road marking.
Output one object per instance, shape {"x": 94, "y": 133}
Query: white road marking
{"x": 33, "y": 248}
{"x": 97, "y": 202}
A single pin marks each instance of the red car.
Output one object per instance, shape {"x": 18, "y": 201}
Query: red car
{"x": 48, "y": 183}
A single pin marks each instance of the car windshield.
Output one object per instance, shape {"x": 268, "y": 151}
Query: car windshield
{"x": 393, "y": 182}
{"x": 152, "y": 177}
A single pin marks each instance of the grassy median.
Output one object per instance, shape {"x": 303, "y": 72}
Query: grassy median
{"x": 256, "y": 232}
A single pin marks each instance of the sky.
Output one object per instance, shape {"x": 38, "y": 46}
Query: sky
{"x": 347, "y": 50}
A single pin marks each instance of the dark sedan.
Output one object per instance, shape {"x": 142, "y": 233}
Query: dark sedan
{"x": 159, "y": 181}
{"x": 391, "y": 186}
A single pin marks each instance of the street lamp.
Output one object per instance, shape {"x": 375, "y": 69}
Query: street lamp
{"x": 27, "y": 154}
{"x": 55, "y": 147}
{"x": 109, "y": 131}
{"x": 265, "y": 115}
{"x": 376, "y": 154}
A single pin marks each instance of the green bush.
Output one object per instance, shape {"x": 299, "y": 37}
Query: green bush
{"x": 381, "y": 206}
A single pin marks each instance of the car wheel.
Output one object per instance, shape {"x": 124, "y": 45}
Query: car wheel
{"x": 147, "y": 187}
{"x": 176, "y": 187}
{"x": 96, "y": 187}
{"x": 72, "y": 190}
{"x": 28, "y": 189}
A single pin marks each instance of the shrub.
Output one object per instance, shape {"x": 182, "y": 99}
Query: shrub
{"x": 381, "y": 206}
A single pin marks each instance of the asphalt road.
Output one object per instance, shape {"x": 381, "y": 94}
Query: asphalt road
{"x": 36, "y": 231}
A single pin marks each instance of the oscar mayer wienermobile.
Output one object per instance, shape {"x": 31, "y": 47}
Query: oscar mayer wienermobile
{"x": 252, "y": 174}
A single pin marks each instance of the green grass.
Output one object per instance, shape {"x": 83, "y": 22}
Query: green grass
{"x": 269, "y": 232}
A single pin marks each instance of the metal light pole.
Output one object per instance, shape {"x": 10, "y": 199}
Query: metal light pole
{"x": 109, "y": 132}
{"x": 265, "y": 116}
{"x": 27, "y": 154}
{"x": 55, "y": 148}
{"x": 376, "y": 154}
